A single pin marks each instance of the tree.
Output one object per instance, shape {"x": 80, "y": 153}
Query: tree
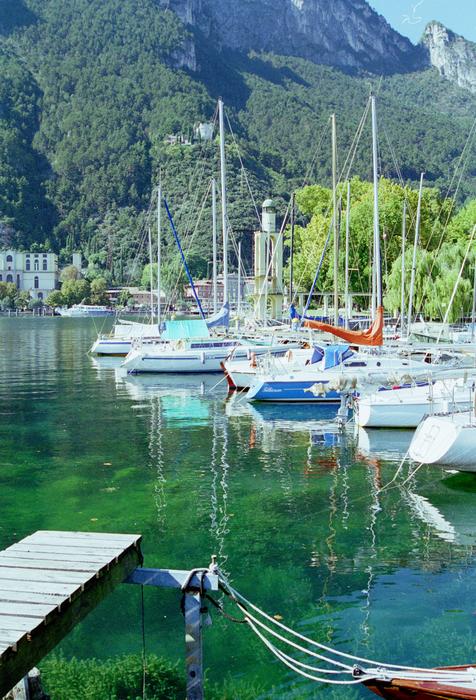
{"x": 55, "y": 298}
{"x": 70, "y": 273}
{"x": 124, "y": 297}
{"x": 22, "y": 300}
{"x": 171, "y": 279}
{"x": 8, "y": 290}
{"x": 98, "y": 291}
{"x": 75, "y": 291}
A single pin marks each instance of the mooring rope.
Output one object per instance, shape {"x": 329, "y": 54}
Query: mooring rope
{"x": 358, "y": 668}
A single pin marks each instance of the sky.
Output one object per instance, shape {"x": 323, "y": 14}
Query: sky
{"x": 410, "y": 17}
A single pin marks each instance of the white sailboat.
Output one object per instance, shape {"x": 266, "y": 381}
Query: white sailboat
{"x": 447, "y": 440}
{"x": 405, "y": 407}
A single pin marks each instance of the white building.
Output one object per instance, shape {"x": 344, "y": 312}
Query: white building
{"x": 36, "y": 273}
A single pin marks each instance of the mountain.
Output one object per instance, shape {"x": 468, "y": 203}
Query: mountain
{"x": 343, "y": 33}
{"x": 91, "y": 89}
{"x": 453, "y": 55}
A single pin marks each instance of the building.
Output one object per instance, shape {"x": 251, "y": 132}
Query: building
{"x": 36, "y": 273}
{"x": 204, "y": 289}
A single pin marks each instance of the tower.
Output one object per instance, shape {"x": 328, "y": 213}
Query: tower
{"x": 268, "y": 265}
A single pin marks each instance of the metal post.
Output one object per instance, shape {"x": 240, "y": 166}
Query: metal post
{"x": 334, "y": 220}
{"x": 214, "y": 224}
{"x": 193, "y": 646}
{"x": 192, "y": 583}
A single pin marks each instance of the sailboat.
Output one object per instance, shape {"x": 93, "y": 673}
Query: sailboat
{"x": 446, "y": 439}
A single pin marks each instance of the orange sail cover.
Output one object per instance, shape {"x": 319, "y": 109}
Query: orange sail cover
{"x": 372, "y": 336}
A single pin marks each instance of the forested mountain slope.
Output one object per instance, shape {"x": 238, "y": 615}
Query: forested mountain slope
{"x": 91, "y": 88}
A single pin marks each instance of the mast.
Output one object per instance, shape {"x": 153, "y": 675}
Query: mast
{"x": 377, "y": 261}
{"x": 239, "y": 279}
{"x": 347, "y": 239}
{"x": 291, "y": 259}
{"x": 224, "y": 217}
{"x": 414, "y": 260}
{"x": 404, "y": 236}
{"x": 214, "y": 224}
{"x": 334, "y": 220}
{"x": 159, "y": 251}
{"x": 151, "y": 277}
{"x": 473, "y": 310}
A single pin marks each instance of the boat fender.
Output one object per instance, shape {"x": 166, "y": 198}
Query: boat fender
{"x": 289, "y": 355}
{"x": 202, "y": 358}
{"x": 253, "y": 359}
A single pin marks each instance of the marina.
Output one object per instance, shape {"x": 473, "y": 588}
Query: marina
{"x": 197, "y": 476}
{"x": 238, "y": 319}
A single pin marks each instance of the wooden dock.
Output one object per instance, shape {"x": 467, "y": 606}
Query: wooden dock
{"x": 50, "y": 581}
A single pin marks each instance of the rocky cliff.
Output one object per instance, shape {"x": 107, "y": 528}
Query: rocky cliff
{"x": 452, "y": 55}
{"x": 343, "y": 33}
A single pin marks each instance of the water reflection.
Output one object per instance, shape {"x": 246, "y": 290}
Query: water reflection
{"x": 293, "y": 508}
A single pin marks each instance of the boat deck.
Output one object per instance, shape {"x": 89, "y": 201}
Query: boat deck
{"x": 50, "y": 581}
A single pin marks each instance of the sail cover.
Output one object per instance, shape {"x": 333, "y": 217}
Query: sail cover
{"x": 334, "y": 355}
{"x": 221, "y": 318}
{"x": 373, "y": 336}
{"x": 184, "y": 330}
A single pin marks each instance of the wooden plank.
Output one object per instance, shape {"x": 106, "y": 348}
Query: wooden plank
{"x": 91, "y": 590}
{"x": 58, "y": 536}
{"x": 29, "y": 597}
{"x": 63, "y": 549}
{"x": 21, "y": 623}
{"x": 42, "y": 576}
{"x": 12, "y": 636}
{"x": 64, "y": 589}
{"x": 26, "y": 609}
{"x": 71, "y": 543}
{"x": 46, "y": 564}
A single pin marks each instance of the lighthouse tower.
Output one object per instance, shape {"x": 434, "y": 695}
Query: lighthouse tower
{"x": 268, "y": 266}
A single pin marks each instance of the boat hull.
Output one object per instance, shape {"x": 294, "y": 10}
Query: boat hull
{"x": 293, "y": 391}
{"x": 114, "y": 348}
{"x": 448, "y": 440}
{"x": 405, "y": 689}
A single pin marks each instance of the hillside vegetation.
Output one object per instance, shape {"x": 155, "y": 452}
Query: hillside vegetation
{"x": 91, "y": 88}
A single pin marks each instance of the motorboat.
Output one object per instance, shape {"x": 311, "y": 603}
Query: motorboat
{"x": 85, "y": 311}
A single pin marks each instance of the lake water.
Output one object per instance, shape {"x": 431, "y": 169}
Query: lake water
{"x": 292, "y": 510}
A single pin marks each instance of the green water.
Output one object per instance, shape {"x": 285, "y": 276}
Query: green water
{"x": 292, "y": 512}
